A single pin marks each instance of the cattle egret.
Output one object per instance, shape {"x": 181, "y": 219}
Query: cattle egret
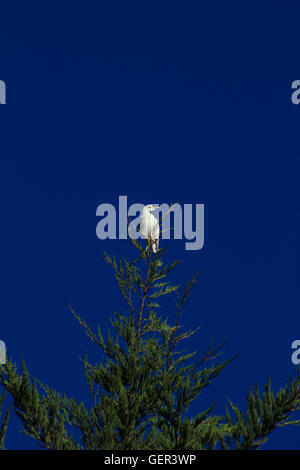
{"x": 149, "y": 226}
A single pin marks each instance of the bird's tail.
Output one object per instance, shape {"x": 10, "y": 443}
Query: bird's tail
{"x": 155, "y": 246}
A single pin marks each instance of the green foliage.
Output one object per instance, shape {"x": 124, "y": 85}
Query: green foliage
{"x": 3, "y": 425}
{"x": 263, "y": 415}
{"x": 41, "y": 415}
{"x": 145, "y": 382}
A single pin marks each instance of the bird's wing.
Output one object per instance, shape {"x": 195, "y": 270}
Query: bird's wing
{"x": 154, "y": 228}
{"x": 144, "y": 225}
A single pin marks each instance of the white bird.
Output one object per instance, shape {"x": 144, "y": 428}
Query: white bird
{"x": 149, "y": 226}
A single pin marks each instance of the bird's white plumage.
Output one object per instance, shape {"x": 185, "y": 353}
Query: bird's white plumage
{"x": 149, "y": 226}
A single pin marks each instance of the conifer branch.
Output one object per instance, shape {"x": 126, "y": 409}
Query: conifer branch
{"x": 144, "y": 385}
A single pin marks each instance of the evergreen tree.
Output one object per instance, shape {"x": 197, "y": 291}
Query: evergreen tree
{"x": 144, "y": 385}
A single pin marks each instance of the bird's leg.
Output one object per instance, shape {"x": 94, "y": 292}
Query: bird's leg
{"x": 145, "y": 250}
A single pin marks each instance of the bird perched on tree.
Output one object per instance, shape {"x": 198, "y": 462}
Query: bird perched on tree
{"x": 149, "y": 226}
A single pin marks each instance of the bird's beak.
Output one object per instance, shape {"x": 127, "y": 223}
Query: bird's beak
{"x": 154, "y": 207}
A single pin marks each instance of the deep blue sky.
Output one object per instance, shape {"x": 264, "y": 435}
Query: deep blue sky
{"x": 159, "y": 101}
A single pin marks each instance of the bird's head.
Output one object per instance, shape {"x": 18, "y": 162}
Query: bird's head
{"x": 151, "y": 207}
